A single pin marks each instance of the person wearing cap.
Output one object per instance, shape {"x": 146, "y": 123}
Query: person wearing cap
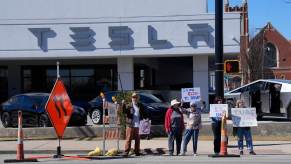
{"x": 174, "y": 126}
{"x": 134, "y": 112}
{"x": 192, "y": 127}
{"x": 244, "y": 132}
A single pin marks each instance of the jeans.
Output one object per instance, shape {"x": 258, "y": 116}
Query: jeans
{"x": 244, "y": 132}
{"x": 132, "y": 133}
{"x": 194, "y": 133}
{"x": 175, "y": 134}
{"x": 216, "y": 129}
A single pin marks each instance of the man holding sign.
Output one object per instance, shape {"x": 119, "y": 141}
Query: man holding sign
{"x": 243, "y": 118}
{"x": 216, "y": 112}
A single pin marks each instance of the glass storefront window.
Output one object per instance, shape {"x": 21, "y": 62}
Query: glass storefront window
{"x": 82, "y": 82}
{"x": 27, "y": 82}
{"x": 82, "y": 72}
{"x": 27, "y": 73}
{"x": 3, "y": 84}
{"x": 53, "y": 72}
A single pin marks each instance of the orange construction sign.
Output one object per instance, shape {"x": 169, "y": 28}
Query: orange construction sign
{"x": 59, "y": 108}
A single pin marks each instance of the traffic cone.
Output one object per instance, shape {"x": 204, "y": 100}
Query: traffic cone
{"x": 20, "y": 147}
{"x": 224, "y": 137}
{"x": 20, "y": 153}
{"x": 224, "y": 141}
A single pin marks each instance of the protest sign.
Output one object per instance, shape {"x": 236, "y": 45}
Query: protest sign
{"x": 145, "y": 127}
{"x": 244, "y": 117}
{"x": 112, "y": 114}
{"x": 217, "y": 110}
{"x": 191, "y": 94}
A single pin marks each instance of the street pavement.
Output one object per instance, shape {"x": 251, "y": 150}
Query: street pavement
{"x": 154, "y": 151}
{"x": 259, "y": 159}
{"x": 151, "y": 147}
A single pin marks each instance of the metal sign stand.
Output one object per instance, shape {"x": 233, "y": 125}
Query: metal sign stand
{"x": 59, "y": 149}
{"x": 103, "y": 121}
{"x": 117, "y": 126}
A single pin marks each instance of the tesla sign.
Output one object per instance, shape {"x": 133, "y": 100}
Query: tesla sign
{"x": 122, "y": 38}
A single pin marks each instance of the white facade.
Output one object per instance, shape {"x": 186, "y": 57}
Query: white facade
{"x": 123, "y": 30}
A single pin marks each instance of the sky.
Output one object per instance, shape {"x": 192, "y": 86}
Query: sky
{"x": 278, "y": 12}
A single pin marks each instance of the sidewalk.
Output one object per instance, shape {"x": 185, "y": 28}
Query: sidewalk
{"x": 82, "y": 147}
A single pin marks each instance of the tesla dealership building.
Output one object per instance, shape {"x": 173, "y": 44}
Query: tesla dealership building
{"x": 110, "y": 44}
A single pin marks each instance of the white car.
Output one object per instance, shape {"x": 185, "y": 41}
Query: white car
{"x": 270, "y": 97}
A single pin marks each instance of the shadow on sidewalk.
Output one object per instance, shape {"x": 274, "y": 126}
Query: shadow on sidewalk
{"x": 157, "y": 151}
{"x": 258, "y": 145}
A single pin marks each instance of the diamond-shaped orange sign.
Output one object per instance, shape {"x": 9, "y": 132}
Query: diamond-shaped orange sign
{"x": 59, "y": 108}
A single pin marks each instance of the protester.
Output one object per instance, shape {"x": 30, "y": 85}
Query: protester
{"x": 134, "y": 112}
{"x": 174, "y": 126}
{"x": 192, "y": 127}
{"x": 216, "y": 128}
{"x": 242, "y": 132}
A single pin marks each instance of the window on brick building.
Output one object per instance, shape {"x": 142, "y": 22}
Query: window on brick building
{"x": 270, "y": 55}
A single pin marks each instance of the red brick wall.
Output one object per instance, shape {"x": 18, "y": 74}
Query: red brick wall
{"x": 283, "y": 47}
{"x": 284, "y": 51}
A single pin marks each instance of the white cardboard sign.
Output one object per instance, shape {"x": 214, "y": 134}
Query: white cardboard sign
{"x": 217, "y": 110}
{"x": 191, "y": 94}
{"x": 244, "y": 117}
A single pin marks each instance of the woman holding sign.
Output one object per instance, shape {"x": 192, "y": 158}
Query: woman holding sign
{"x": 174, "y": 126}
{"x": 242, "y": 132}
{"x": 192, "y": 128}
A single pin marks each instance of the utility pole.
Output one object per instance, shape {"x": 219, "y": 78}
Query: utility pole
{"x": 219, "y": 83}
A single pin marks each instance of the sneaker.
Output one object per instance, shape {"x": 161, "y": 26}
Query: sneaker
{"x": 195, "y": 155}
{"x": 125, "y": 155}
{"x": 182, "y": 154}
{"x": 171, "y": 154}
{"x": 137, "y": 154}
{"x": 241, "y": 152}
{"x": 252, "y": 153}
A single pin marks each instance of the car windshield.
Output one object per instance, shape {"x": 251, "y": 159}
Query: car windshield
{"x": 38, "y": 100}
{"x": 149, "y": 98}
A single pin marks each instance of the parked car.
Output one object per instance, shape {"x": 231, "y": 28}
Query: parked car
{"x": 33, "y": 110}
{"x": 155, "y": 108}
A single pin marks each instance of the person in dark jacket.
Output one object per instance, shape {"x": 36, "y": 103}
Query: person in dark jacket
{"x": 134, "y": 112}
{"x": 216, "y": 128}
{"x": 174, "y": 126}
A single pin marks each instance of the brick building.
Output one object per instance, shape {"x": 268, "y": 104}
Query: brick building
{"x": 273, "y": 53}
{"x": 267, "y": 55}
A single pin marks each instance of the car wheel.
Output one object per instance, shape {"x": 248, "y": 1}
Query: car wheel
{"x": 96, "y": 116}
{"x": 6, "y": 120}
{"x": 43, "y": 121}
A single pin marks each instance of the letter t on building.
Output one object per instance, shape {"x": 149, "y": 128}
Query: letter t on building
{"x": 42, "y": 35}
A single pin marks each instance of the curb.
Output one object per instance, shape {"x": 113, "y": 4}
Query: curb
{"x": 264, "y": 129}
